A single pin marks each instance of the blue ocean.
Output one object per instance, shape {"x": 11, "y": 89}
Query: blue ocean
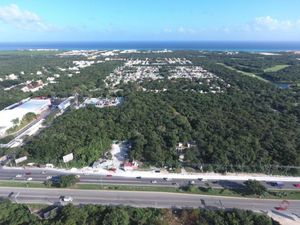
{"x": 156, "y": 45}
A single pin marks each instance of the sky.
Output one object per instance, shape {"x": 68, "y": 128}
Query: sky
{"x": 149, "y": 20}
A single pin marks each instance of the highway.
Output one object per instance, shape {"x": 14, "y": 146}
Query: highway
{"x": 140, "y": 199}
{"x": 41, "y": 175}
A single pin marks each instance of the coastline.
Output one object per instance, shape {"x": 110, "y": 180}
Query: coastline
{"x": 245, "y": 46}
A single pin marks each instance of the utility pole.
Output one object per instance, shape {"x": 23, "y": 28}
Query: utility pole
{"x": 16, "y": 197}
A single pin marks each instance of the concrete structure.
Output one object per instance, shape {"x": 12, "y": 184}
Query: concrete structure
{"x": 65, "y": 104}
{"x": 103, "y": 102}
{"x": 130, "y": 166}
{"x": 19, "y": 110}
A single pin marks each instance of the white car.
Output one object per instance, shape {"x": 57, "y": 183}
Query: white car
{"x": 18, "y": 175}
{"x": 29, "y": 178}
{"x": 48, "y": 177}
{"x": 67, "y": 198}
{"x": 153, "y": 181}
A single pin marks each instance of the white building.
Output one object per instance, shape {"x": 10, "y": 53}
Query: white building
{"x": 65, "y": 104}
{"x": 19, "y": 110}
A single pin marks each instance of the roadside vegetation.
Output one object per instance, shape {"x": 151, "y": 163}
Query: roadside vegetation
{"x": 62, "y": 181}
{"x": 254, "y": 187}
{"x": 18, "y": 214}
{"x": 18, "y": 125}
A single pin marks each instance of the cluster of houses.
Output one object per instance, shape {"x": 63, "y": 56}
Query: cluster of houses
{"x": 190, "y": 72}
{"x": 126, "y": 74}
{"x": 215, "y": 83}
{"x": 158, "y": 61}
{"x": 33, "y": 86}
{"x": 139, "y": 70}
{"x": 160, "y": 51}
{"x": 91, "y": 54}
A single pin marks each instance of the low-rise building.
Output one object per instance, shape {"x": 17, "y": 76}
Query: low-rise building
{"x": 13, "y": 114}
{"x": 127, "y": 166}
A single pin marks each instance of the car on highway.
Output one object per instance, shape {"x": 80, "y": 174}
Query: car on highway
{"x": 77, "y": 176}
{"x": 43, "y": 172}
{"x": 49, "y": 177}
{"x": 153, "y": 182}
{"x": 279, "y": 208}
{"x": 283, "y": 206}
{"x": 297, "y": 185}
{"x": 28, "y": 173}
{"x": 167, "y": 179}
{"x": 108, "y": 175}
{"x": 18, "y": 175}
{"x": 139, "y": 177}
{"x": 55, "y": 179}
{"x": 174, "y": 183}
{"x": 277, "y": 184}
{"x": 29, "y": 178}
{"x": 191, "y": 182}
{"x": 66, "y": 198}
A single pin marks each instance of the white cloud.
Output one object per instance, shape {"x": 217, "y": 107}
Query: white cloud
{"x": 22, "y": 19}
{"x": 180, "y": 30}
{"x": 168, "y": 30}
{"x": 272, "y": 24}
{"x": 185, "y": 30}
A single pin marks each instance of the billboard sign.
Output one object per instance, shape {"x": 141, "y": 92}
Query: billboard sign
{"x": 68, "y": 158}
{"x": 22, "y": 159}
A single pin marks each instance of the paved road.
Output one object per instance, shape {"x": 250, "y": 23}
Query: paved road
{"x": 36, "y": 175}
{"x": 140, "y": 199}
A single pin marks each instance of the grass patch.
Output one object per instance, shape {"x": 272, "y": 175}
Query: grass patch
{"x": 275, "y": 68}
{"x": 21, "y": 184}
{"x": 36, "y": 207}
{"x": 243, "y": 72}
{"x": 6, "y": 139}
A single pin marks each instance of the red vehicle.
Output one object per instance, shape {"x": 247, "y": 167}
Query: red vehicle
{"x": 280, "y": 208}
{"x": 297, "y": 185}
{"x": 283, "y": 206}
